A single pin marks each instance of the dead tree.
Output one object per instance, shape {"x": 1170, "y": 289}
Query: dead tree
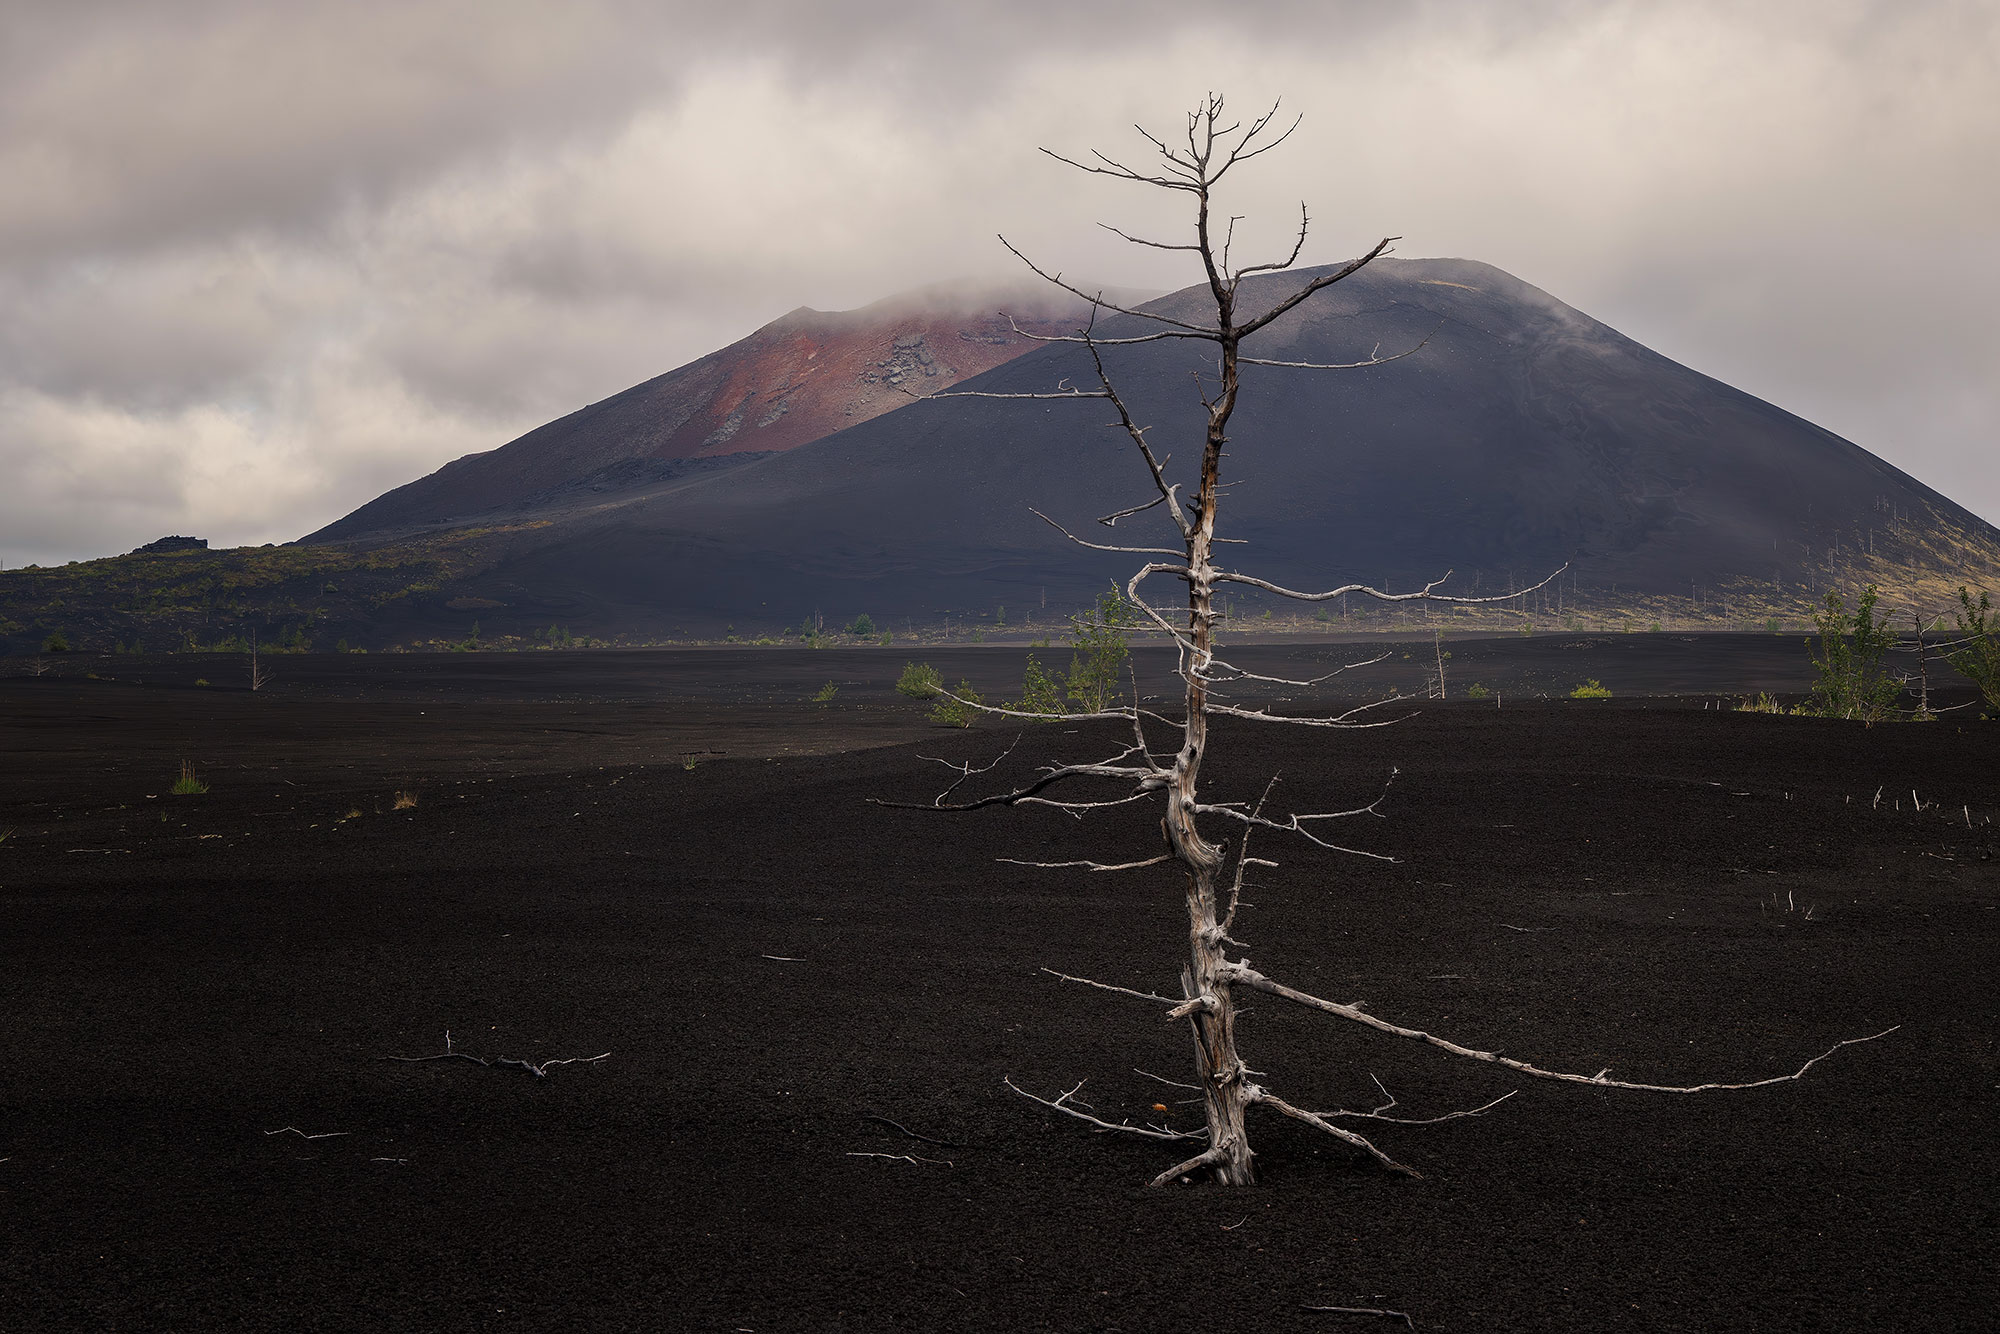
{"x": 1214, "y": 863}
{"x": 260, "y": 676}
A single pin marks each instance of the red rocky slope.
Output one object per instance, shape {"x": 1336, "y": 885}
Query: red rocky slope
{"x": 796, "y": 380}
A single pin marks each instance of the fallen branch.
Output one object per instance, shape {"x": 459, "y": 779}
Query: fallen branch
{"x": 942, "y": 1143}
{"x": 539, "y": 1071}
{"x": 1062, "y": 1103}
{"x": 1403, "y": 1316}
{"x": 1256, "y": 981}
{"x": 901, "y": 1158}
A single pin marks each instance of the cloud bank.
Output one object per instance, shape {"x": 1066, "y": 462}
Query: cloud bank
{"x": 260, "y": 263}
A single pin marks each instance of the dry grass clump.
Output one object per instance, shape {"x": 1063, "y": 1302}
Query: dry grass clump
{"x": 405, "y": 799}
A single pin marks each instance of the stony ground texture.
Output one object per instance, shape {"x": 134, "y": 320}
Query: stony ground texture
{"x": 779, "y": 969}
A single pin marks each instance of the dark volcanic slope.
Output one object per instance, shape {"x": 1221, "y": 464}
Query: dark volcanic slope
{"x": 1524, "y": 435}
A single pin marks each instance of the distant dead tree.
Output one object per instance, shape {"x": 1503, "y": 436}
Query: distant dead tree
{"x": 260, "y": 675}
{"x": 1213, "y": 867}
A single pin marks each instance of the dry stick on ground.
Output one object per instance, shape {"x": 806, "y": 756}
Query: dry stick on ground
{"x": 539, "y": 1070}
{"x": 1210, "y": 979}
{"x": 1375, "y": 1311}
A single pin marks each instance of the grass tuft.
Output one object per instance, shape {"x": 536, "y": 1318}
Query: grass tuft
{"x": 187, "y": 785}
{"x": 405, "y": 799}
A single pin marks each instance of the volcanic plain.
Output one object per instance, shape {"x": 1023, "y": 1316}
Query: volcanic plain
{"x": 805, "y": 1002}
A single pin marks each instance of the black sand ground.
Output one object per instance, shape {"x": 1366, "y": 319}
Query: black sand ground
{"x": 1677, "y": 892}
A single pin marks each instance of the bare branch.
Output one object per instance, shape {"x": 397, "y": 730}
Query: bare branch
{"x": 1123, "y": 991}
{"x": 1099, "y": 546}
{"x": 1338, "y": 721}
{"x": 1206, "y": 1158}
{"x": 1324, "y": 280}
{"x": 1097, "y": 300}
{"x": 944, "y": 1143}
{"x": 1243, "y": 861}
{"x": 1089, "y": 865}
{"x": 1375, "y": 1311}
{"x": 966, "y": 769}
{"x": 982, "y": 393}
{"x": 1061, "y": 1103}
{"x": 901, "y": 1158}
{"x": 1246, "y": 975}
{"x": 1239, "y": 674}
{"x": 1376, "y": 1114}
{"x": 538, "y": 1070}
{"x": 1153, "y": 337}
{"x": 1318, "y": 1122}
{"x": 1424, "y": 594}
{"x": 1111, "y": 520}
{"x": 1140, "y": 240}
{"x": 1122, "y": 172}
{"x": 1374, "y": 358}
{"x": 1149, "y": 779}
{"x": 1287, "y": 262}
{"x": 1156, "y": 467}
{"x": 1243, "y": 152}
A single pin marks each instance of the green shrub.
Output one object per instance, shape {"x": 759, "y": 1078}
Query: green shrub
{"x": 919, "y": 680}
{"x": 1979, "y": 659}
{"x": 824, "y": 695}
{"x": 187, "y": 785}
{"x": 862, "y": 625}
{"x": 1477, "y": 691}
{"x": 1100, "y": 637}
{"x": 1039, "y": 691}
{"x": 1591, "y": 689}
{"x": 1764, "y": 703}
{"x": 960, "y": 711}
{"x": 1852, "y": 682}
{"x": 56, "y": 643}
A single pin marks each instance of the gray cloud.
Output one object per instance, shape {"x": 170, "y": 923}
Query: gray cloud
{"x": 258, "y": 263}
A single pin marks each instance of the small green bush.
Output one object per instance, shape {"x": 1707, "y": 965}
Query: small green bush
{"x": 1979, "y": 660}
{"x": 187, "y": 785}
{"x": 824, "y": 695}
{"x": 958, "y": 712}
{"x": 1039, "y": 691}
{"x": 919, "y": 680}
{"x": 1591, "y": 689}
{"x": 56, "y": 643}
{"x": 1853, "y": 682}
{"x": 1477, "y": 691}
{"x": 862, "y": 625}
{"x": 1100, "y": 637}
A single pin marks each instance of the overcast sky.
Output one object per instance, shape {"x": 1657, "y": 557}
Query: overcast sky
{"x": 259, "y": 263}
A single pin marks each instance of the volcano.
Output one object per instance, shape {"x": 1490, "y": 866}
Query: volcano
{"x": 799, "y": 469}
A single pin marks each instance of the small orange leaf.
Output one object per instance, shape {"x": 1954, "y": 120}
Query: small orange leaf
{"x": 1159, "y": 1107}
